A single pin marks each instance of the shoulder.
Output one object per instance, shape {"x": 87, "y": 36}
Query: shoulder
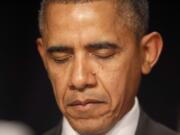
{"x": 161, "y": 129}
{"x": 50, "y": 132}
{"x": 54, "y": 131}
{"x": 147, "y": 126}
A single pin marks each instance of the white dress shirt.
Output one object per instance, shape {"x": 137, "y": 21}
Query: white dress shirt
{"x": 126, "y": 126}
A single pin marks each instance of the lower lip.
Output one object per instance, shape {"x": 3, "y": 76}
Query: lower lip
{"x": 86, "y": 107}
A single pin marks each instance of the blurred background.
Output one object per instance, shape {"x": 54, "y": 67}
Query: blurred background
{"x": 25, "y": 91}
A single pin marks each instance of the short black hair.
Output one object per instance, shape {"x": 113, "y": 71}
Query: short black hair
{"x": 135, "y": 13}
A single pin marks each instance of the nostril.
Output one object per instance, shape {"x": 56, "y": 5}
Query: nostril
{"x": 79, "y": 88}
{"x": 82, "y": 87}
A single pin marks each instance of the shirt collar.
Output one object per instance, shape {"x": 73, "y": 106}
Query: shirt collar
{"x": 126, "y": 126}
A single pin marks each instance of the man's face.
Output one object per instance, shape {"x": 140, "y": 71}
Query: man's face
{"x": 93, "y": 63}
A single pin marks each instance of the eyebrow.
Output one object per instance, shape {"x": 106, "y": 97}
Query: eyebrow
{"x": 59, "y": 48}
{"x": 102, "y": 45}
{"x": 94, "y": 46}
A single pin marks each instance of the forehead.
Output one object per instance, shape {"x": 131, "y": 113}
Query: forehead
{"x": 80, "y": 10}
{"x": 83, "y": 21}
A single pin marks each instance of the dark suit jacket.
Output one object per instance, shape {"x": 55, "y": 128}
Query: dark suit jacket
{"x": 146, "y": 126}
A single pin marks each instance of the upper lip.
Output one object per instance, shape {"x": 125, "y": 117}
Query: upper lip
{"x": 85, "y": 102}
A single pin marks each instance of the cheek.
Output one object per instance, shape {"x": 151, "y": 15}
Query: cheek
{"x": 114, "y": 82}
{"x": 59, "y": 77}
{"x": 120, "y": 81}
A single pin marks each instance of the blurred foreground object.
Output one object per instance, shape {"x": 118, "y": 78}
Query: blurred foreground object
{"x": 14, "y": 128}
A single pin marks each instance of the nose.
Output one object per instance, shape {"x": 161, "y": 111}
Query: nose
{"x": 83, "y": 75}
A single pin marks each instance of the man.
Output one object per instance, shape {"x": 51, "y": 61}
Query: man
{"x": 95, "y": 52}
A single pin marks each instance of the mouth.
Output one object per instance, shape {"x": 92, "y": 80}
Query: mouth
{"x": 85, "y": 105}
{"x": 85, "y": 102}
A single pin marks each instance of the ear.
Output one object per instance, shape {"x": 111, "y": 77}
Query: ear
{"x": 151, "y": 47}
{"x": 42, "y": 50}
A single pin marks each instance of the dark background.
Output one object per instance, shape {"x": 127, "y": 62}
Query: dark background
{"x": 25, "y": 91}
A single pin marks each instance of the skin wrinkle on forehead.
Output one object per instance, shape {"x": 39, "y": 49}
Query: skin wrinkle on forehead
{"x": 122, "y": 8}
{"x": 81, "y": 16}
{"x": 77, "y": 15}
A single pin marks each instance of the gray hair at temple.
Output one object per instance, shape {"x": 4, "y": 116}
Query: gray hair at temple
{"x": 134, "y": 12}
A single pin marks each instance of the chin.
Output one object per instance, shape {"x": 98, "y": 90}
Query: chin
{"x": 93, "y": 126}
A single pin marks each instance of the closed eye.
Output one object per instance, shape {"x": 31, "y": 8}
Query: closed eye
{"x": 61, "y": 57}
{"x": 104, "y": 53}
{"x": 103, "y": 50}
{"x": 60, "y": 54}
